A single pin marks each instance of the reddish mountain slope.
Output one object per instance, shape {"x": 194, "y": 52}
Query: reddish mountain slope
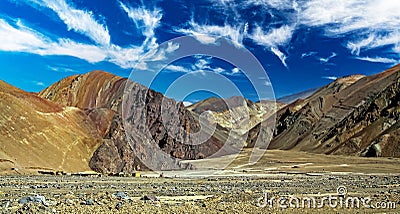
{"x": 352, "y": 116}
{"x": 39, "y": 134}
{"x": 100, "y": 95}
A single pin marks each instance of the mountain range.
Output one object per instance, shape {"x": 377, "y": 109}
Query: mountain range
{"x": 77, "y": 124}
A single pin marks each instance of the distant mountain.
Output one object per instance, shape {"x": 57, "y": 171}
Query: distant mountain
{"x": 39, "y": 134}
{"x": 76, "y": 124}
{"x": 234, "y": 116}
{"x": 300, "y": 95}
{"x": 354, "y": 115}
{"x": 100, "y": 94}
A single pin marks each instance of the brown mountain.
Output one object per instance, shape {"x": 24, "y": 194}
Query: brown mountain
{"x": 354, "y": 115}
{"x": 300, "y": 95}
{"x": 100, "y": 95}
{"x": 39, "y": 134}
{"x": 234, "y": 116}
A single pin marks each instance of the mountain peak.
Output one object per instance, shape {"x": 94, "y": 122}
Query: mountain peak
{"x": 350, "y": 79}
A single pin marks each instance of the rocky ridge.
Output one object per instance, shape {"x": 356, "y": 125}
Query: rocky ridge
{"x": 37, "y": 134}
{"x": 354, "y": 115}
{"x": 100, "y": 94}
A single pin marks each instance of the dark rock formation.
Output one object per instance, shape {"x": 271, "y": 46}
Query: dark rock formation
{"x": 235, "y": 116}
{"x": 354, "y": 115}
{"x": 101, "y": 95}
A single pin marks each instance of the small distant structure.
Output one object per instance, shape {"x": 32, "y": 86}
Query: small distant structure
{"x": 46, "y": 172}
{"x": 88, "y": 173}
{"x": 123, "y": 174}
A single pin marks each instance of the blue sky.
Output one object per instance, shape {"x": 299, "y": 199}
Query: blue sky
{"x": 301, "y": 44}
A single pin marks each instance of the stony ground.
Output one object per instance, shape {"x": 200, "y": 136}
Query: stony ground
{"x": 74, "y": 194}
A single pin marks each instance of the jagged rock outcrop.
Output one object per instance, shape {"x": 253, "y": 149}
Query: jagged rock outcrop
{"x": 354, "y": 115}
{"x": 39, "y": 134}
{"x": 235, "y": 116}
{"x": 100, "y": 94}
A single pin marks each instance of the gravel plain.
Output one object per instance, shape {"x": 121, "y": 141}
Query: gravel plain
{"x": 107, "y": 194}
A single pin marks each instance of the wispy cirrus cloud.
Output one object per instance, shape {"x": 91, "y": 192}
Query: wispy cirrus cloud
{"x": 365, "y": 24}
{"x": 323, "y": 60}
{"x": 312, "y": 53}
{"x": 345, "y": 16}
{"x": 326, "y": 60}
{"x": 21, "y": 38}
{"x": 80, "y": 21}
{"x": 39, "y": 83}
{"x": 374, "y": 40}
{"x": 273, "y": 39}
{"x": 280, "y": 55}
{"x": 276, "y": 4}
{"x": 235, "y": 70}
{"x": 178, "y": 68}
{"x": 329, "y": 77}
{"x": 202, "y": 64}
{"x": 379, "y": 60}
{"x": 145, "y": 20}
{"x": 209, "y": 33}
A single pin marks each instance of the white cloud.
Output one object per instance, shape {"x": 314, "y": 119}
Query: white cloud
{"x": 277, "y": 4}
{"x": 78, "y": 20}
{"x": 267, "y": 83}
{"x": 177, "y": 68}
{"x": 207, "y": 34}
{"x": 21, "y": 38}
{"x": 375, "y": 41}
{"x": 67, "y": 47}
{"x": 25, "y": 39}
{"x": 202, "y": 63}
{"x": 219, "y": 70}
{"x": 171, "y": 47}
{"x": 326, "y": 60}
{"x": 379, "y": 60}
{"x": 344, "y": 16}
{"x": 38, "y": 83}
{"x": 124, "y": 57}
{"x": 330, "y": 77}
{"x": 396, "y": 48}
{"x": 273, "y": 39}
{"x": 187, "y": 103}
{"x": 366, "y": 24}
{"x": 312, "y": 53}
{"x": 280, "y": 55}
{"x": 145, "y": 20}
